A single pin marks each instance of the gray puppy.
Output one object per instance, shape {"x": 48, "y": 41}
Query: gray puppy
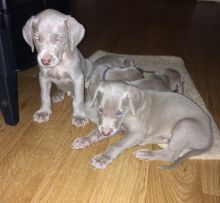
{"x": 55, "y": 37}
{"x": 147, "y": 117}
{"x": 163, "y": 80}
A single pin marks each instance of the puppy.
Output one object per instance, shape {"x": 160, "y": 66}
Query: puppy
{"x": 148, "y": 117}
{"x": 164, "y": 80}
{"x": 55, "y": 37}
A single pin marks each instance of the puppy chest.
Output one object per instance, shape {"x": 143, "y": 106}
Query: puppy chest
{"x": 61, "y": 79}
{"x": 57, "y": 73}
{"x": 65, "y": 85}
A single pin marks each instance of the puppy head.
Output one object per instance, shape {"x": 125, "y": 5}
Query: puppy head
{"x": 52, "y": 33}
{"x": 115, "y": 100}
{"x": 174, "y": 79}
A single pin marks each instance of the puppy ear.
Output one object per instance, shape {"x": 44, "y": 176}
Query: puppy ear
{"x": 98, "y": 91}
{"x": 134, "y": 96}
{"x": 27, "y": 32}
{"x": 76, "y": 31}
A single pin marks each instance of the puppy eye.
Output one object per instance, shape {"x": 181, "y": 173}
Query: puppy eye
{"x": 119, "y": 113}
{"x": 100, "y": 110}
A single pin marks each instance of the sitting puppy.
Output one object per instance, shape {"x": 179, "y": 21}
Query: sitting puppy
{"x": 148, "y": 117}
{"x": 55, "y": 37}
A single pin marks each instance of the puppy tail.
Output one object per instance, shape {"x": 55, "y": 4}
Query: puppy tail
{"x": 185, "y": 156}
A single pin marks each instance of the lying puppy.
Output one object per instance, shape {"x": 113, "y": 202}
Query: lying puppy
{"x": 55, "y": 37}
{"x": 148, "y": 117}
{"x": 164, "y": 80}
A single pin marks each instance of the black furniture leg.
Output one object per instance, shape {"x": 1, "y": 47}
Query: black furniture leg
{"x": 9, "y": 98}
{"x": 8, "y": 75}
{"x": 15, "y": 54}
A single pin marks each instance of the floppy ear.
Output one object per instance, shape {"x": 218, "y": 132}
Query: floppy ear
{"x": 134, "y": 96}
{"x": 97, "y": 92}
{"x": 76, "y": 31}
{"x": 27, "y": 32}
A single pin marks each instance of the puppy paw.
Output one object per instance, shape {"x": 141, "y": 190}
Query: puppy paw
{"x": 81, "y": 142}
{"x": 41, "y": 116}
{"x": 101, "y": 161}
{"x": 142, "y": 154}
{"x": 57, "y": 98}
{"x": 79, "y": 121}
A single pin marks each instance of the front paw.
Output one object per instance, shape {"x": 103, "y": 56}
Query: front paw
{"x": 41, "y": 116}
{"x": 79, "y": 121}
{"x": 101, "y": 161}
{"x": 81, "y": 142}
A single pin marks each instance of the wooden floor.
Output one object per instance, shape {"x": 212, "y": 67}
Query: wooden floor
{"x": 37, "y": 163}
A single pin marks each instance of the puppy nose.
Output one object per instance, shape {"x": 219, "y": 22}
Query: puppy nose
{"x": 46, "y": 61}
{"x": 106, "y": 131}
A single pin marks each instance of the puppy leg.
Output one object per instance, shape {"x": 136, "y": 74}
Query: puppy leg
{"x": 187, "y": 134}
{"x": 170, "y": 153}
{"x": 162, "y": 155}
{"x": 79, "y": 117}
{"x": 58, "y": 96}
{"x": 43, "y": 114}
{"x": 93, "y": 137}
{"x": 101, "y": 161}
{"x": 155, "y": 140}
